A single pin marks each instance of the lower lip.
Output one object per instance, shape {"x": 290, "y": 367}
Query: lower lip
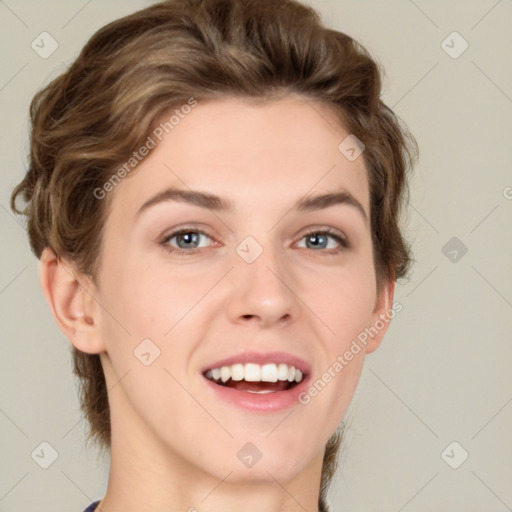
{"x": 260, "y": 402}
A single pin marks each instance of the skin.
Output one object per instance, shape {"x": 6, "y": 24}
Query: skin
{"x": 174, "y": 444}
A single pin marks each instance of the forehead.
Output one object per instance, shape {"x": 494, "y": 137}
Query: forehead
{"x": 248, "y": 152}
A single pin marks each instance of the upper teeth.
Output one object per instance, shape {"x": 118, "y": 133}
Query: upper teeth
{"x": 252, "y": 372}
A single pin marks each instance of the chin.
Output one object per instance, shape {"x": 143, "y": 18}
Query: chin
{"x": 263, "y": 463}
{"x": 262, "y": 473}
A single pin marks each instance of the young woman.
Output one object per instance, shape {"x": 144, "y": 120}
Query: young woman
{"x": 214, "y": 195}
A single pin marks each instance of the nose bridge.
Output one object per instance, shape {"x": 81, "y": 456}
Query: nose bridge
{"x": 262, "y": 283}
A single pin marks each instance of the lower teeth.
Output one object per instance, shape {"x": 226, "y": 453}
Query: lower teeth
{"x": 289, "y": 385}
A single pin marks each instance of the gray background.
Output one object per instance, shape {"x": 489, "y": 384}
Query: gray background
{"x": 442, "y": 373}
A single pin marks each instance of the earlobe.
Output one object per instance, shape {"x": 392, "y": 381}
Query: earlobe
{"x": 381, "y": 316}
{"x": 69, "y": 295}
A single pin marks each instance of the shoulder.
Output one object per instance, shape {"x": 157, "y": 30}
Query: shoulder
{"x": 92, "y": 506}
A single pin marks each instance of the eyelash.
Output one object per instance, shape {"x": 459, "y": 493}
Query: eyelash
{"x": 343, "y": 242}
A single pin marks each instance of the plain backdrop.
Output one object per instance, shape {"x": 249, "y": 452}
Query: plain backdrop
{"x": 439, "y": 389}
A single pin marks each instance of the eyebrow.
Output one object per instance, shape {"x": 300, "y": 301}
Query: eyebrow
{"x": 216, "y": 203}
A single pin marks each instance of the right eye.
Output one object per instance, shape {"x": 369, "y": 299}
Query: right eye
{"x": 185, "y": 241}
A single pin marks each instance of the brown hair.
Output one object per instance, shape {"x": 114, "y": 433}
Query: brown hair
{"x": 135, "y": 68}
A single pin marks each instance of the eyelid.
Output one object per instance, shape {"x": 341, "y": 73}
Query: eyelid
{"x": 169, "y": 233}
{"x": 333, "y": 232}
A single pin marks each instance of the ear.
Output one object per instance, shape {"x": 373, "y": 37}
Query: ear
{"x": 71, "y": 298}
{"x": 381, "y": 315}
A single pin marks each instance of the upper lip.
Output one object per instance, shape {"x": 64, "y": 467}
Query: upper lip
{"x": 262, "y": 358}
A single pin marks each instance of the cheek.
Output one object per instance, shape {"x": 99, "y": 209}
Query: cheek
{"x": 150, "y": 299}
{"x": 343, "y": 300}
{"x": 158, "y": 312}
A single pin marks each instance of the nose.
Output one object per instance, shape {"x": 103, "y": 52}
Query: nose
{"x": 263, "y": 292}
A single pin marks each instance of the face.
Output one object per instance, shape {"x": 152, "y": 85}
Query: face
{"x": 260, "y": 277}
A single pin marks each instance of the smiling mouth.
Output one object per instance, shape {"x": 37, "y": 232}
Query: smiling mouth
{"x": 255, "y": 378}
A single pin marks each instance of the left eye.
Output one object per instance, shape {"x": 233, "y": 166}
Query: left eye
{"x": 323, "y": 240}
